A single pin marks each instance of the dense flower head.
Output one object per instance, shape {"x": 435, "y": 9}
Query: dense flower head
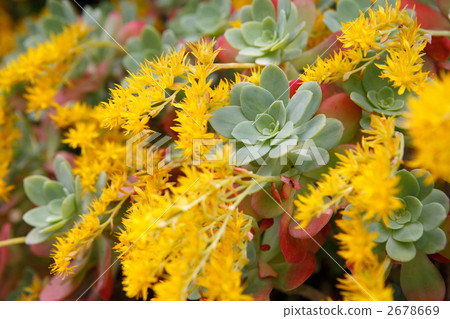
{"x": 429, "y": 123}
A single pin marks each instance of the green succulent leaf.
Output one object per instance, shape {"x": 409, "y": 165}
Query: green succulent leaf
{"x": 433, "y": 215}
{"x": 255, "y": 100}
{"x": 235, "y": 93}
{"x": 53, "y": 190}
{"x": 34, "y": 189}
{"x": 278, "y": 112}
{"x": 225, "y": 119}
{"x": 262, "y": 9}
{"x": 298, "y": 106}
{"x": 55, "y": 226}
{"x": 409, "y": 233}
{"x": 425, "y": 188}
{"x": 263, "y": 121}
{"x": 383, "y": 232}
{"x": 414, "y": 206}
{"x": 408, "y": 184}
{"x": 275, "y": 81}
{"x": 63, "y": 172}
{"x": 311, "y": 128}
{"x": 69, "y": 206}
{"x": 400, "y": 251}
{"x": 432, "y": 242}
{"x": 246, "y": 132}
{"x": 37, "y": 216}
{"x": 235, "y": 38}
{"x": 437, "y": 196}
{"x": 55, "y": 206}
{"x": 35, "y": 236}
{"x": 330, "y": 135}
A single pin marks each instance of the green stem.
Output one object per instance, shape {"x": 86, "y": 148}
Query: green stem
{"x": 12, "y": 241}
{"x": 438, "y": 33}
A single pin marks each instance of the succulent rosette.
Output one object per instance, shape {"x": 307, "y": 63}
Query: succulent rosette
{"x": 267, "y": 34}
{"x": 415, "y": 227}
{"x": 273, "y": 131}
{"x": 59, "y": 202}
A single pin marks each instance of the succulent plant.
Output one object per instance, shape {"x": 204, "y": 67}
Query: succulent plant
{"x": 374, "y": 94}
{"x": 199, "y": 19}
{"x": 416, "y": 226}
{"x": 149, "y": 45}
{"x": 268, "y": 35}
{"x": 59, "y": 202}
{"x": 274, "y": 131}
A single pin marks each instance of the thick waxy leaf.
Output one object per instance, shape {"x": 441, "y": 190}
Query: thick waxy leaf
{"x": 432, "y": 242}
{"x": 414, "y": 206}
{"x": 437, "y": 196}
{"x": 262, "y": 9}
{"x": 55, "y": 207}
{"x": 425, "y": 188}
{"x": 37, "y": 216}
{"x": 68, "y": 206}
{"x": 330, "y": 135}
{"x": 284, "y": 147}
{"x": 293, "y": 249}
{"x": 35, "y": 236}
{"x": 224, "y": 120}
{"x": 246, "y": 132}
{"x": 433, "y": 215}
{"x": 293, "y": 275}
{"x": 275, "y": 81}
{"x": 250, "y": 153}
{"x": 308, "y": 157}
{"x": 311, "y": 128}
{"x": 421, "y": 281}
{"x": 263, "y": 121}
{"x": 408, "y": 184}
{"x": 255, "y": 100}
{"x": 251, "y": 31}
{"x": 34, "y": 189}
{"x": 59, "y": 288}
{"x": 53, "y": 190}
{"x": 315, "y": 101}
{"x": 298, "y": 105}
{"x": 235, "y": 93}
{"x": 400, "y": 251}
{"x": 235, "y": 38}
{"x": 278, "y": 112}
{"x": 314, "y": 227}
{"x": 264, "y": 205}
{"x": 409, "y": 233}
{"x": 63, "y": 172}
{"x": 381, "y": 230}
{"x": 284, "y": 133}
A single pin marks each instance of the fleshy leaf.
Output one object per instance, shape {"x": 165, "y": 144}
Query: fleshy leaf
{"x": 421, "y": 281}
{"x": 255, "y": 100}
{"x": 37, "y": 216}
{"x": 275, "y": 81}
{"x": 408, "y": 184}
{"x": 225, "y": 119}
{"x": 400, "y": 251}
{"x": 53, "y": 190}
{"x": 433, "y": 215}
{"x": 409, "y": 233}
{"x": 432, "y": 242}
{"x": 34, "y": 189}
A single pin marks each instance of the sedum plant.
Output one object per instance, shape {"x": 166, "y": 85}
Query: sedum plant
{"x": 274, "y": 131}
{"x": 373, "y": 93}
{"x": 416, "y": 226}
{"x": 59, "y": 202}
{"x": 268, "y": 35}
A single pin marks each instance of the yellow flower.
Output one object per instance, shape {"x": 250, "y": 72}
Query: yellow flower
{"x": 428, "y": 124}
{"x": 82, "y": 135}
{"x": 359, "y": 34}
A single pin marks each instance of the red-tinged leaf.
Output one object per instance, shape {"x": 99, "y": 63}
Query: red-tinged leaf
{"x": 314, "y": 227}
{"x": 427, "y": 17}
{"x": 291, "y": 182}
{"x": 228, "y": 53}
{"x": 293, "y": 249}
{"x": 318, "y": 240}
{"x": 438, "y": 48}
{"x": 275, "y": 193}
{"x": 257, "y": 287}
{"x": 421, "y": 281}
{"x": 439, "y": 258}
{"x": 4, "y": 251}
{"x": 58, "y": 289}
{"x": 246, "y": 207}
{"x": 444, "y": 7}
{"x": 341, "y": 107}
{"x": 265, "y": 270}
{"x": 265, "y": 224}
{"x": 265, "y": 206}
{"x": 293, "y": 275}
{"x": 264, "y": 247}
{"x": 293, "y": 86}
{"x": 286, "y": 191}
{"x": 446, "y": 228}
{"x": 104, "y": 286}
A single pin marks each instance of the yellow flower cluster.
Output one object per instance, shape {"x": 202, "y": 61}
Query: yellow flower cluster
{"x": 72, "y": 244}
{"x": 42, "y": 68}
{"x": 146, "y": 93}
{"x": 187, "y": 237}
{"x": 389, "y": 31}
{"x": 6, "y": 33}
{"x": 8, "y": 135}
{"x": 428, "y": 124}
{"x": 364, "y": 179}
